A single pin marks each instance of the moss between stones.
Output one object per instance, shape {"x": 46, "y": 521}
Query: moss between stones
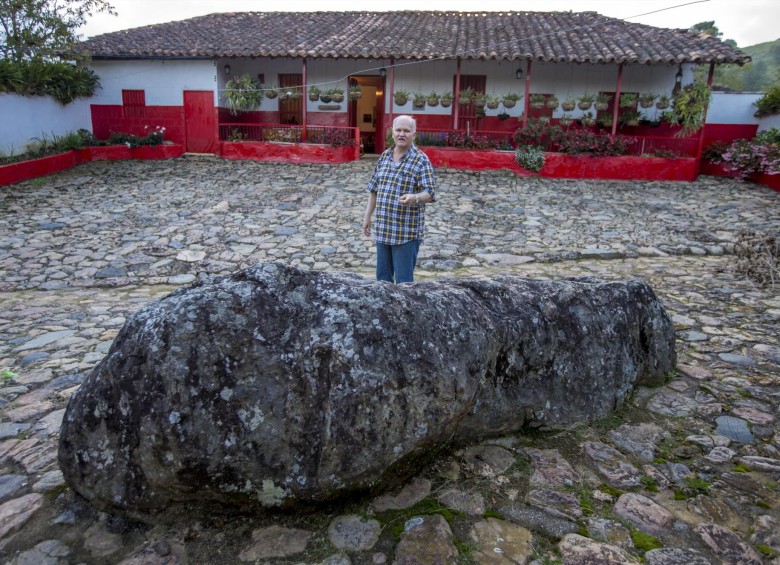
{"x": 645, "y": 542}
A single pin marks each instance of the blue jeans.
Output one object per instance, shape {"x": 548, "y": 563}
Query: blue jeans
{"x": 395, "y": 263}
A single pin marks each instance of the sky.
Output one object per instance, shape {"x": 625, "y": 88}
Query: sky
{"x": 748, "y": 22}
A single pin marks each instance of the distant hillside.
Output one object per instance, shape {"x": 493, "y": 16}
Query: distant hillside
{"x": 761, "y": 74}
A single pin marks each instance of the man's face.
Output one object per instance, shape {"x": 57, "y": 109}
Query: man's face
{"x": 403, "y": 134}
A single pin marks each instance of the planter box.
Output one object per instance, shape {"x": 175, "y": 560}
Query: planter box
{"x": 26, "y": 170}
{"x": 718, "y": 170}
{"x": 288, "y": 152}
{"x": 559, "y": 165}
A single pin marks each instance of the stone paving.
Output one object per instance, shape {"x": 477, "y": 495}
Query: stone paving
{"x": 693, "y": 465}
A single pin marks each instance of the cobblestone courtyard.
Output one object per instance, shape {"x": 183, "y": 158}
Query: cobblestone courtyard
{"x": 81, "y": 250}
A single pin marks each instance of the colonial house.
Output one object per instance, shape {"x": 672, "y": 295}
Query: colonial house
{"x": 176, "y": 74}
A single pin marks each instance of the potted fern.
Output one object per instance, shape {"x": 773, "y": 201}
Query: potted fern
{"x": 647, "y": 99}
{"x": 355, "y": 92}
{"x": 551, "y": 102}
{"x": 663, "y": 102}
{"x": 492, "y": 102}
{"x": 433, "y": 99}
{"x": 465, "y": 96}
{"x": 419, "y": 100}
{"x": 628, "y": 100}
{"x": 401, "y": 97}
{"x": 602, "y": 101}
{"x": 337, "y": 94}
{"x": 242, "y": 94}
{"x": 446, "y": 99}
{"x": 536, "y": 101}
{"x": 585, "y": 101}
{"x": 510, "y": 100}
{"x": 314, "y": 93}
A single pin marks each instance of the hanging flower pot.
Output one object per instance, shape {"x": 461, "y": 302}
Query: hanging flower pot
{"x": 433, "y": 99}
{"x": 568, "y": 105}
{"x": 566, "y": 120}
{"x": 492, "y": 102}
{"x": 552, "y": 102}
{"x": 585, "y": 101}
{"x": 536, "y": 101}
{"x": 325, "y": 98}
{"x": 401, "y": 97}
{"x": 446, "y": 102}
{"x": 419, "y": 100}
{"x": 587, "y": 120}
{"x": 314, "y": 93}
{"x": 479, "y": 100}
{"x": 355, "y": 92}
{"x": 663, "y": 102}
{"x": 337, "y": 95}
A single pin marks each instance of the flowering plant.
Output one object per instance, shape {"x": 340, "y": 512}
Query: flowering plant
{"x": 581, "y": 141}
{"x": 530, "y": 157}
{"x": 468, "y": 140}
{"x": 758, "y": 155}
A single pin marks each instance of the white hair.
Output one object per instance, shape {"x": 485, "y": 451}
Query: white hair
{"x": 406, "y": 118}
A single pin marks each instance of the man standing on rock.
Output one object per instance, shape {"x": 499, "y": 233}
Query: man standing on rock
{"x": 399, "y": 189}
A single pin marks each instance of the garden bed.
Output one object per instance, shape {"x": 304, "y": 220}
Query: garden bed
{"x": 288, "y": 152}
{"x": 719, "y": 170}
{"x": 26, "y": 170}
{"x": 560, "y": 165}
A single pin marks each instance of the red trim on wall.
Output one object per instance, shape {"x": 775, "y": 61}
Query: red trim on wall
{"x": 288, "y": 152}
{"x": 26, "y": 170}
{"x": 558, "y": 165}
{"x": 111, "y": 118}
{"x": 728, "y": 132}
{"x": 328, "y": 119}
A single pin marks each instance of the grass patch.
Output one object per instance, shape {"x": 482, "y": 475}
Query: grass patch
{"x": 493, "y": 514}
{"x": 700, "y": 486}
{"x": 764, "y": 505}
{"x": 610, "y": 490}
{"x": 767, "y": 551}
{"x": 740, "y": 468}
{"x": 645, "y": 542}
{"x": 650, "y": 484}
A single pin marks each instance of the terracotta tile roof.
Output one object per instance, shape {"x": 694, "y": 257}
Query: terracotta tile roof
{"x": 545, "y": 36}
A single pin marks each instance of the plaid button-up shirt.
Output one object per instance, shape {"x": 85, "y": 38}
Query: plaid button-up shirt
{"x": 395, "y": 224}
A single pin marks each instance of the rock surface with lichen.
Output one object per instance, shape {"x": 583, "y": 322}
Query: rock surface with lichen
{"x": 275, "y": 387}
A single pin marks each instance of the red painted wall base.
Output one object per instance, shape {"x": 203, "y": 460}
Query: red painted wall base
{"x": 26, "y": 170}
{"x": 559, "y": 165}
{"x": 288, "y": 152}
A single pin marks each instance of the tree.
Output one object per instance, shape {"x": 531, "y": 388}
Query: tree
{"x": 44, "y": 29}
{"x": 706, "y": 27}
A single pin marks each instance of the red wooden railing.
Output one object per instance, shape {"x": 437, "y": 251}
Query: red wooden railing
{"x": 338, "y": 136}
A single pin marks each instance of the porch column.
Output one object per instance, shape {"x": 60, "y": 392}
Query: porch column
{"x": 305, "y": 100}
{"x": 456, "y": 97}
{"x": 616, "y": 106}
{"x": 527, "y": 104}
{"x": 392, "y": 89}
{"x": 704, "y": 118}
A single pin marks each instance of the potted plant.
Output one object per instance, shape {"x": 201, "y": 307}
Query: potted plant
{"x": 401, "y": 97}
{"x": 314, "y": 93}
{"x": 663, "y": 102}
{"x": 479, "y": 99}
{"x": 433, "y": 99}
{"x": 566, "y": 120}
{"x": 337, "y": 94}
{"x": 503, "y": 116}
{"x": 544, "y": 119}
{"x": 325, "y": 97}
{"x": 568, "y": 105}
{"x": 628, "y": 100}
{"x": 689, "y": 107}
{"x": 511, "y": 99}
{"x": 289, "y": 93}
{"x": 551, "y": 102}
{"x": 355, "y": 92}
{"x": 270, "y": 90}
{"x": 492, "y": 102}
{"x": 630, "y": 118}
{"x": 446, "y": 99}
{"x": 465, "y": 96}
{"x": 647, "y": 99}
{"x": 585, "y": 101}
{"x": 242, "y": 94}
{"x": 536, "y": 101}
{"x": 605, "y": 121}
{"x": 587, "y": 119}
{"x": 602, "y": 101}
{"x": 419, "y": 100}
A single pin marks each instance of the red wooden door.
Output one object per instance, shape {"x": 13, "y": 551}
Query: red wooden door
{"x": 469, "y": 116}
{"x": 200, "y": 122}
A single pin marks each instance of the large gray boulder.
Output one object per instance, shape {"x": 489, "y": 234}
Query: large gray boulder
{"x": 275, "y": 387}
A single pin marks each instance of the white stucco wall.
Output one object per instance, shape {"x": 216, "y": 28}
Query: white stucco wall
{"x": 162, "y": 81}
{"x": 733, "y": 108}
{"x": 25, "y": 118}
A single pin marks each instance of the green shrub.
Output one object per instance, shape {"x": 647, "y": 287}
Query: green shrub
{"x": 769, "y": 103}
{"x": 530, "y": 157}
{"x": 62, "y": 81}
{"x": 645, "y": 542}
